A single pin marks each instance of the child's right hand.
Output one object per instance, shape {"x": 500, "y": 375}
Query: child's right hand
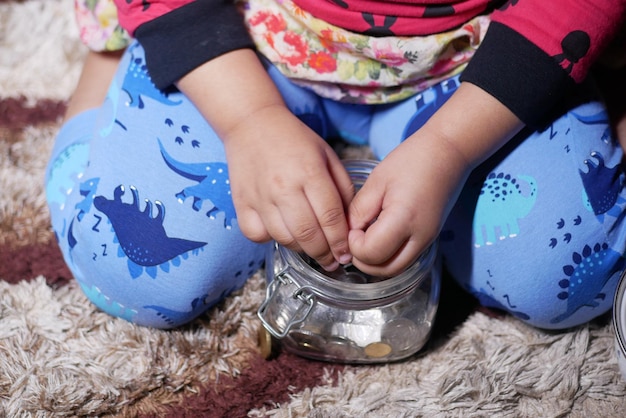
{"x": 289, "y": 185}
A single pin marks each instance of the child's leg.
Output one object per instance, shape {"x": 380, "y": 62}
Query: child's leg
{"x": 98, "y": 70}
{"x": 140, "y": 202}
{"x": 539, "y": 229}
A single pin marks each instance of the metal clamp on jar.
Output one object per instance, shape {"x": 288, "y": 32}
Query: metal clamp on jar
{"x": 346, "y": 315}
{"x": 619, "y": 324}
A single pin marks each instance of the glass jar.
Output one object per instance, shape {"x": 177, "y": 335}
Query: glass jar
{"x": 346, "y": 315}
{"x": 619, "y": 324}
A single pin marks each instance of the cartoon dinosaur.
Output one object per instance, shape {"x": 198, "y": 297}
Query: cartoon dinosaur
{"x": 65, "y": 172}
{"x": 426, "y": 106}
{"x": 602, "y": 184}
{"x": 87, "y": 189}
{"x": 581, "y": 281}
{"x": 213, "y": 185}
{"x": 137, "y": 83}
{"x": 142, "y": 238}
{"x": 500, "y": 205}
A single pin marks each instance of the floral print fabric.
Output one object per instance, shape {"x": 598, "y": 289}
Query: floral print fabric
{"x": 98, "y": 25}
{"x": 351, "y": 67}
{"x": 334, "y": 62}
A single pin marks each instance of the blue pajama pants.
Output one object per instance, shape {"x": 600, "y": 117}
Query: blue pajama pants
{"x": 139, "y": 197}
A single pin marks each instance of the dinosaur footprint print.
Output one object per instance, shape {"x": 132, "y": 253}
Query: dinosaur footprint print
{"x": 138, "y": 84}
{"x": 564, "y": 232}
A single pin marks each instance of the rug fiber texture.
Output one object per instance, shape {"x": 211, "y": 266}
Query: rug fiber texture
{"x": 61, "y": 357}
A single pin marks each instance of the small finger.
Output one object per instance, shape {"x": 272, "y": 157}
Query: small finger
{"x": 252, "y": 226}
{"x": 396, "y": 264}
{"x": 377, "y": 243}
{"x": 302, "y": 224}
{"x": 365, "y": 206}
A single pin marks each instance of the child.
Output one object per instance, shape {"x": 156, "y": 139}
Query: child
{"x": 165, "y": 195}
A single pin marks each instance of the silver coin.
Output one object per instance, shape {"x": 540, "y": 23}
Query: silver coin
{"x": 342, "y": 349}
{"x": 307, "y": 340}
{"x": 402, "y": 334}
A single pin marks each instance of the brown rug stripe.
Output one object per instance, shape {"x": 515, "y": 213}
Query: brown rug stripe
{"x": 264, "y": 383}
{"x": 16, "y": 113}
{"x": 27, "y": 263}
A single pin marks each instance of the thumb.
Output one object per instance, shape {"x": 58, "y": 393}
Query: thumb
{"x": 365, "y": 206}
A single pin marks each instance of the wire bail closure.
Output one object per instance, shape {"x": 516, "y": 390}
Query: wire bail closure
{"x": 302, "y": 293}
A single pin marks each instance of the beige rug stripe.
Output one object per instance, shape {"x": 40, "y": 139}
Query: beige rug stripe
{"x": 40, "y": 52}
{"x": 24, "y": 216}
{"x": 489, "y": 367}
{"x": 59, "y": 356}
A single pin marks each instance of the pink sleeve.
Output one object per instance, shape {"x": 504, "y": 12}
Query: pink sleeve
{"x": 133, "y": 13}
{"x": 574, "y": 32}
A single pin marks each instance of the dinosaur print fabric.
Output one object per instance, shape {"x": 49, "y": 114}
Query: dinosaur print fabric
{"x": 139, "y": 195}
{"x": 141, "y": 209}
{"x": 539, "y": 225}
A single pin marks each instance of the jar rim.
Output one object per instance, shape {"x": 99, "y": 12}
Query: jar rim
{"x": 321, "y": 283}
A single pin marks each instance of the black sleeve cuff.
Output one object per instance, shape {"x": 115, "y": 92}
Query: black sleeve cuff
{"x": 519, "y": 74}
{"x": 186, "y": 38}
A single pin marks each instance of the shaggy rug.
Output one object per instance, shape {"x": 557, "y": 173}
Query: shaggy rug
{"x": 60, "y": 356}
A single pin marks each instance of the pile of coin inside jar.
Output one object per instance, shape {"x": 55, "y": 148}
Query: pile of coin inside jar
{"x": 346, "y": 315}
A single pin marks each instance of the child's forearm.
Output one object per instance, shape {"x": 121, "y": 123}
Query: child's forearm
{"x": 231, "y": 89}
{"x": 472, "y": 123}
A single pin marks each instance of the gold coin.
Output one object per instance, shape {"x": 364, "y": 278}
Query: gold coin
{"x": 266, "y": 342}
{"x": 377, "y": 350}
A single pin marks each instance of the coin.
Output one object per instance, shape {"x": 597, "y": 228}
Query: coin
{"x": 267, "y": 344}
{"x": 342, "y": 349}
{"x": 403, "y": 334}
{"x": 307, "y": 340}
{"x": 377, "y": 350}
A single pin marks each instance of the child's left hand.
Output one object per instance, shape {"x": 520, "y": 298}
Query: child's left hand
{"x": 403, "y": 204}
{"x": 401, "y": 208}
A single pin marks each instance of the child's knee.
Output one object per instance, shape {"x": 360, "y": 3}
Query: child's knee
{"x": 144, "y": 285}
{"x": 549, "y": 292}
{"x": 159, "y": 305}
{"x": 540, "y": 308}
{"x": 149, "y": 232}
{"x": 135, "y": 262}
